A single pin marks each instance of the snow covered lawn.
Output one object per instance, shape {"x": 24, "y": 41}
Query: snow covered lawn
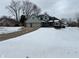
{"x": 44, "y": 42}
{"x": 5, "y": 30}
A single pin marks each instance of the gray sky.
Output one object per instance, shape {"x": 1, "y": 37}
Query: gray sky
{"x": 59, "y": 8}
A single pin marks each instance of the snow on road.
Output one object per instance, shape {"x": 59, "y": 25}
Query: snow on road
{"x": 5, "y": 30}
{"x": 44, "y": 42}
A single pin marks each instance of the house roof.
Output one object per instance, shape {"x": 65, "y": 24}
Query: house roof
{"x": 53, "y": 18}
{"x": 50, "y": 17}
{"x": 42, "y": 15}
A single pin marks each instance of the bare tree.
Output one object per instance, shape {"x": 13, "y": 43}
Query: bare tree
{"x": 29, "y": 9}
{"x": 77, "y": 17}
{"x": 15, "y": 9}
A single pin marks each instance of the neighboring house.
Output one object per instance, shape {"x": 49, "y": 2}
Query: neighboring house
{"x": 33, "y": 21}
{"x": 47, "y": 21}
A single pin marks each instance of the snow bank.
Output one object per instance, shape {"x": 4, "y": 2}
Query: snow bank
{"x": 44, "y": 42}
{"x": 5, "y": 30}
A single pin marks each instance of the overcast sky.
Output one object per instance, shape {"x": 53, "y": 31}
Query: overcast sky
{"x": 59, "y": 8}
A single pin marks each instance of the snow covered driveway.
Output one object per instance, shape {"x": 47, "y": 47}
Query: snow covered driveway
{"x": 5, "y": 30}
{"x": 44, "y": 42}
